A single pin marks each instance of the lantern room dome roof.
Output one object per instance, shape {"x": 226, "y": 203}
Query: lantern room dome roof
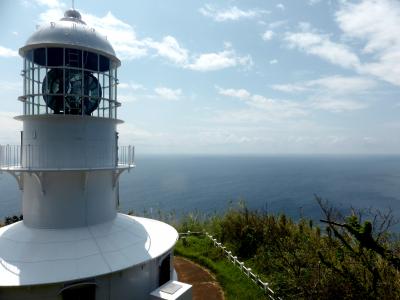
{"x": 70, "y": 32}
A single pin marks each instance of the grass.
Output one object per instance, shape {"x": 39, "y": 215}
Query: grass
{"x": 234, "y": 283}
{"x": 349, "y": 258}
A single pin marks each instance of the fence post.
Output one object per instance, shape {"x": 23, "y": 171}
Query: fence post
{"x": 247, "y": 271}
{"x": 234, "y": 260}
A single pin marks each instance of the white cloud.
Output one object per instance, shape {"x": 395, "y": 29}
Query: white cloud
{"x": 50, "y": 15}
{"x": 121, "y": 35}
{"x": 129, "y": 132}
{"x": 342, "y": 84}
{"x": 325, "y": 94}
{"x": 7, "y": 52}
{"x": 334, "y": 93}
{"x": 170, "y": 49}
{"x": 236, "y": 93}
{"x": 259, "y": 107}
{"x": 280, "y": 6}
{"x": 230, "y": 14}
{"x": 128, "y": 46}
{"x": 168, "y": 94}
{"x": 277, "y": 24}
{"x": 289, "y": 88}
{"x": 10, "y": 128}
{"x": 321, "y": 45}
{"x": 333, "y": 84}
{"x": 127, "y": 97}
{"x": 220, "y": 60}
{"x": 54, "y": 10}
{"x": 273, "y": 61}
{"x": 49, "y": 3}
{"x": 372, "y": 24}
{"x": 128, "y": 92}
{"x": 337, "y": 105}
{"x": 131, "y": 86}
{"x": 313, "y": 2}
{"x": 376, "y": 24}
{"x": 268, "y": 35}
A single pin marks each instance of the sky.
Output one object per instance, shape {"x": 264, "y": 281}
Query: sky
{"x": 235, "y": 77}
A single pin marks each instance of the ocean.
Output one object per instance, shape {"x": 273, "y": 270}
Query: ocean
{"x": 287, "y": 184}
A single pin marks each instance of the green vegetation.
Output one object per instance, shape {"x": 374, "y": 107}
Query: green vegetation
{"x": 351, "y": 258}
{"x": 234, "y": 283}
{"x": 347, "y": 257}
{"x": 13, "y": 219}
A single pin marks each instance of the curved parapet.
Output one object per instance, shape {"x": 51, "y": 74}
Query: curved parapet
{"x": 42, "y": 256}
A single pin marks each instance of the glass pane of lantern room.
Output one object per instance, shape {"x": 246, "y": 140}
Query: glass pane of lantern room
{"x": 55, "y": 57}
{"x": 39, "y": 56}
{"x": 90, "y": 61}
{"x": 73, "y": 58}
{"x": 104, "y": 64}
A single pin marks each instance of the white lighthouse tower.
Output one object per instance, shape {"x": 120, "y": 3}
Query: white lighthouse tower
{"x": 72, "y": 242}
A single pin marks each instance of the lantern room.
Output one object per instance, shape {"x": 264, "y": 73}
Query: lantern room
{"x": 69, "y": 69}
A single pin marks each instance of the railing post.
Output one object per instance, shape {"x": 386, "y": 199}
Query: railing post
{"x": 235, "y": 260}
{"x": 1, "y": 156}
{"x": 29, "y": 156}
{"x": 8, "y": 155}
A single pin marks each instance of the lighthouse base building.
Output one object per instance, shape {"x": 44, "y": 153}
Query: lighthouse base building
{"x": 125, "y": 258}
{"x": 72, "y": 243}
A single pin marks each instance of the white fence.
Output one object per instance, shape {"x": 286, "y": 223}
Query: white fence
{"x": 234, "y": 260}
{"x": 37, "y": 157}
{"x": 10, "y": 156}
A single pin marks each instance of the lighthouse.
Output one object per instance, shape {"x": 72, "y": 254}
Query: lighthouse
{"x": 72, "y": 243}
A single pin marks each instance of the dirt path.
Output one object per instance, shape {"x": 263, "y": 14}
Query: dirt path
{"x": 205, "y": 286}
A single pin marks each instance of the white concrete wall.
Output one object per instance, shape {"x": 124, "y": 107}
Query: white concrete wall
{"x": 58, "y": 141}
{"x": 135, "y": 283}
{"x": 68, "y": 199}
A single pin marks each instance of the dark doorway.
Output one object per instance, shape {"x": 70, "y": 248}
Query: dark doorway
{"x": 82, "y": 291}
{"x": 165, "y": 270}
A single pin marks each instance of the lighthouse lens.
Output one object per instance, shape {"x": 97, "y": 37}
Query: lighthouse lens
{"x": 81, "y": 89}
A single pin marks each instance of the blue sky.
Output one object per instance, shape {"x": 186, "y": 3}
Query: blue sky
{"x": 236, "y": 77}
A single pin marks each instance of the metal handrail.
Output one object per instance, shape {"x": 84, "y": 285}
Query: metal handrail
{"x": 36, "y": 157}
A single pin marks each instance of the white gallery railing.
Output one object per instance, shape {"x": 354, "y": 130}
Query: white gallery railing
{"x": 39, "y": 157}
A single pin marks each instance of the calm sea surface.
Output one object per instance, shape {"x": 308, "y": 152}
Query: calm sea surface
{"x": 274, "y": 183}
